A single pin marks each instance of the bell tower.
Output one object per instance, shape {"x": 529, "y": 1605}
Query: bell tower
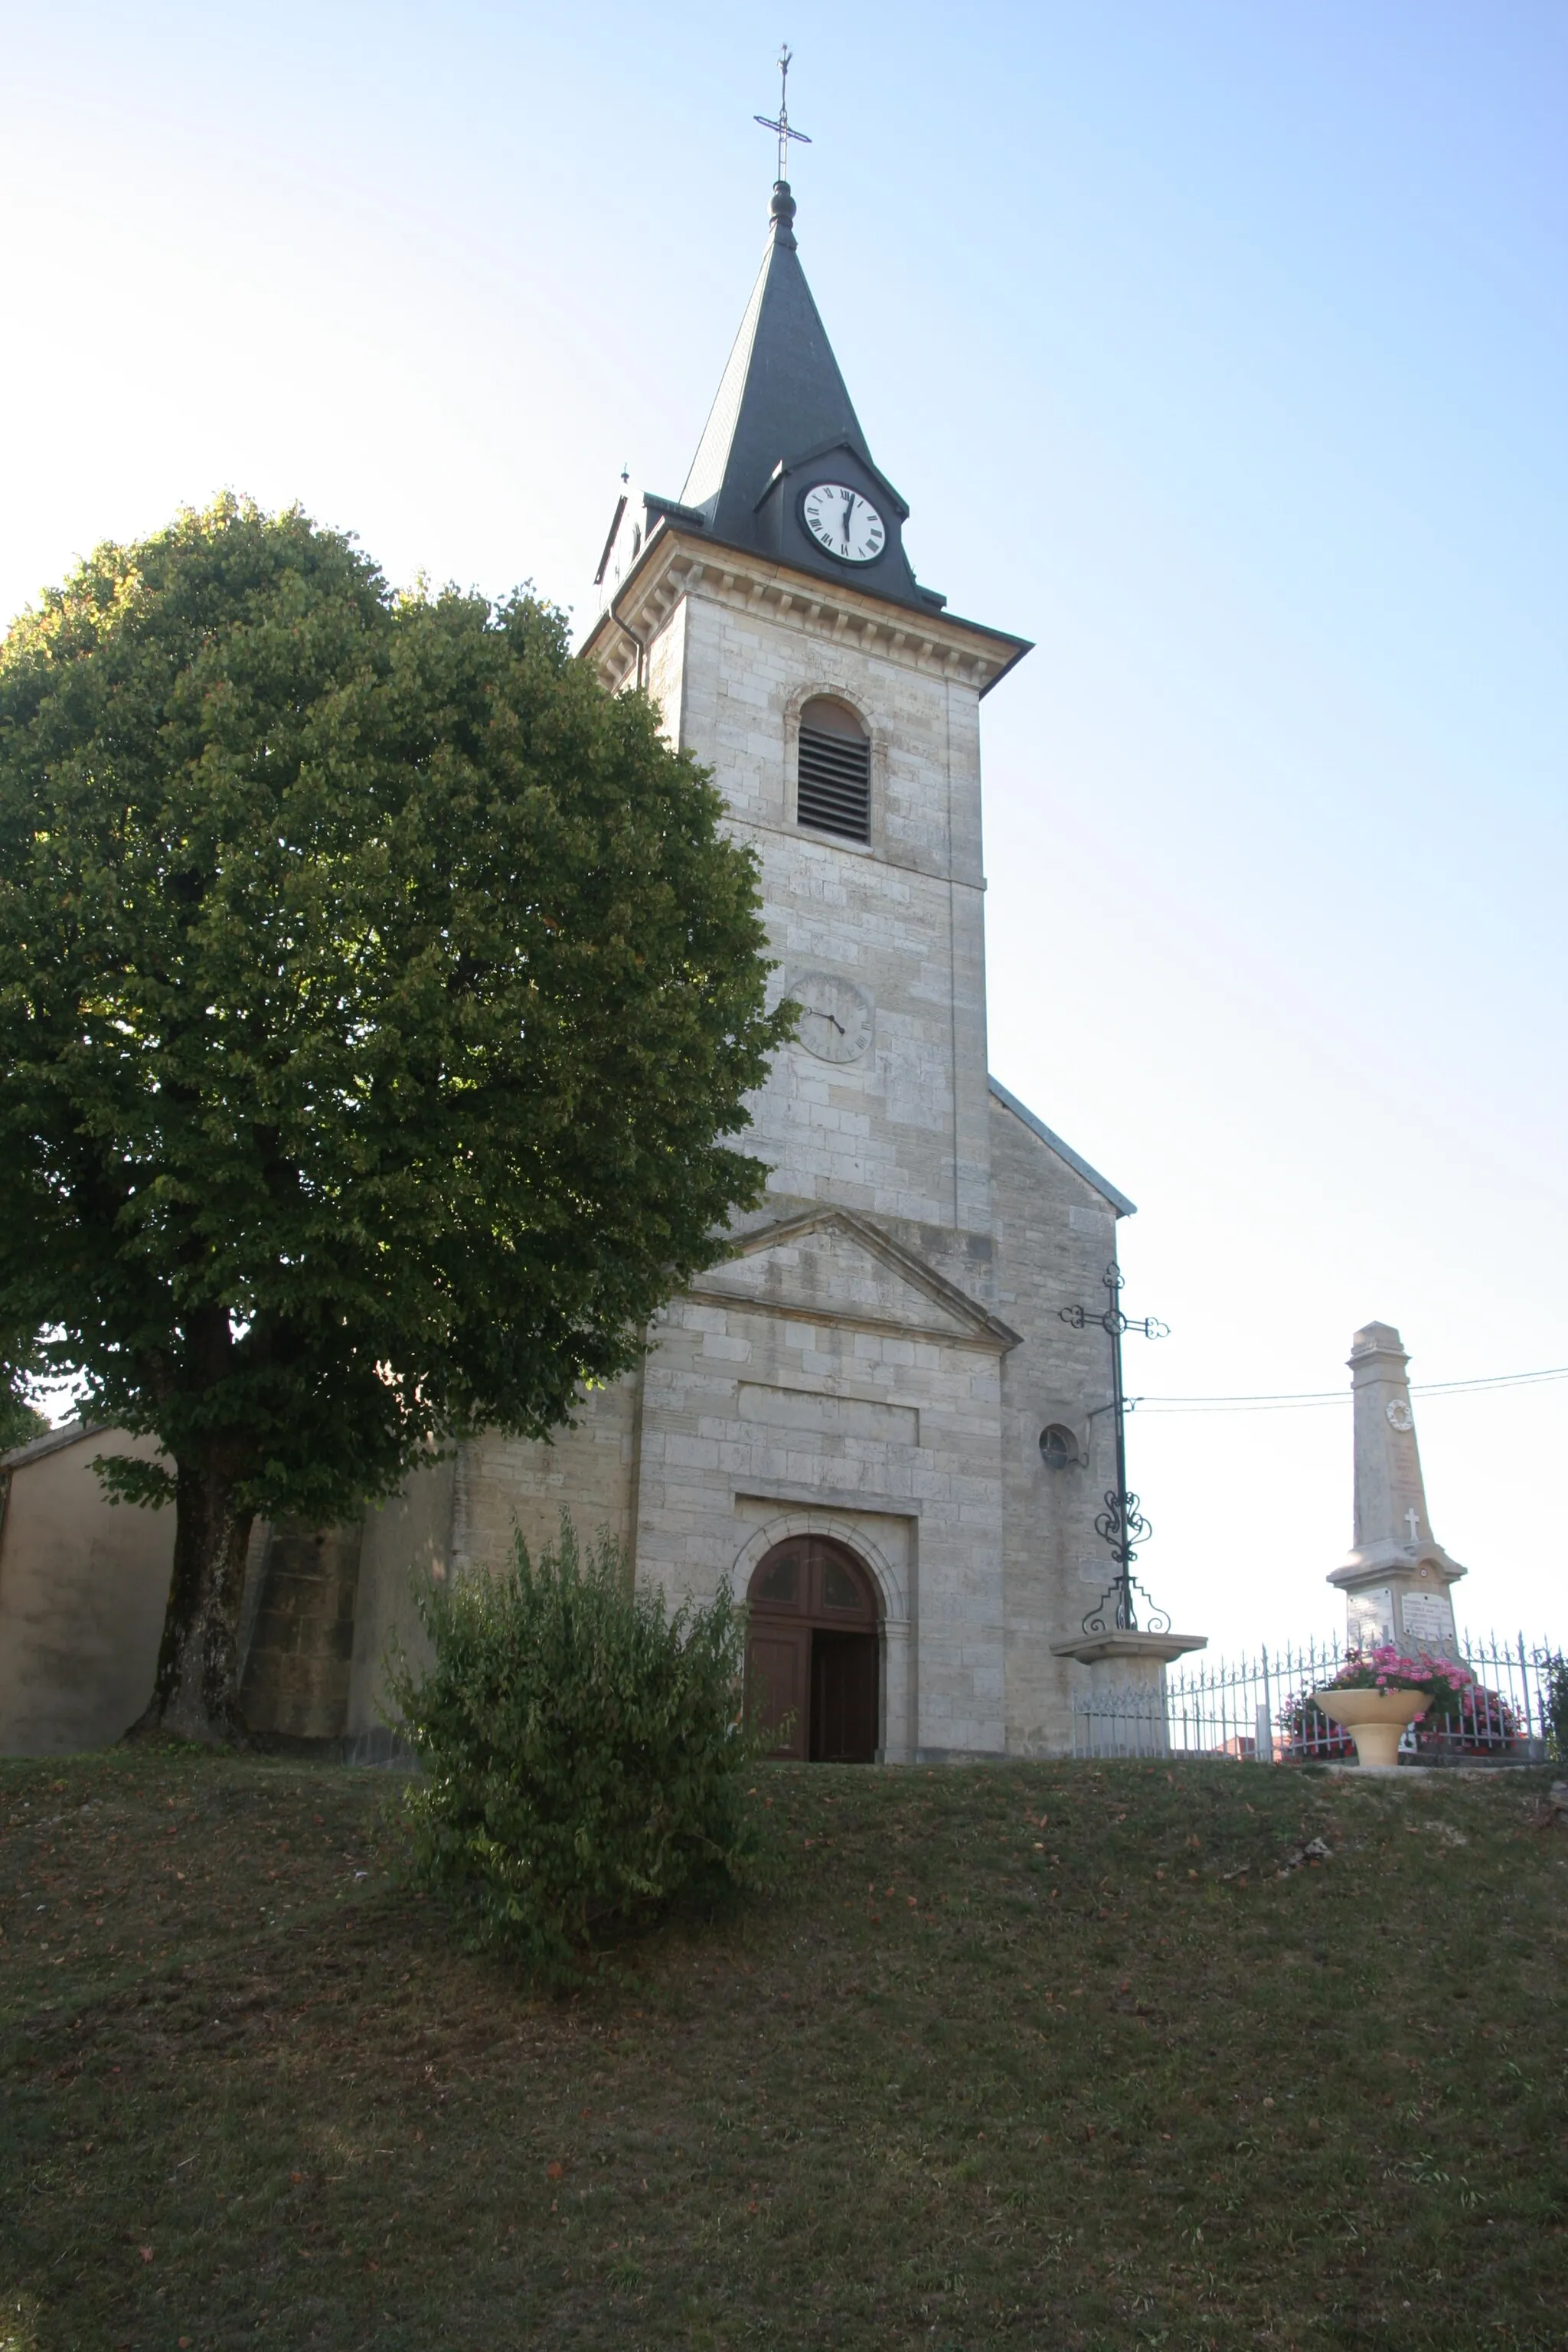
{"x": 870, "y": 1370}
{"x": 774, "y": 614}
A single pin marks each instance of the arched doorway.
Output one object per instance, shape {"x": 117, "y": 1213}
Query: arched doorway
{"x": 812, "y": 1650}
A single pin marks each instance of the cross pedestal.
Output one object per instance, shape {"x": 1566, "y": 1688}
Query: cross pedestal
{"x": 1124, "y": 1704}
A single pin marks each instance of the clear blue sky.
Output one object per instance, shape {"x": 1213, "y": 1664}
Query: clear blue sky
{"x": 1218, "y": 347}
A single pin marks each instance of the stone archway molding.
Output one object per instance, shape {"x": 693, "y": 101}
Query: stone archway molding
{"x": 891, "y": 1596}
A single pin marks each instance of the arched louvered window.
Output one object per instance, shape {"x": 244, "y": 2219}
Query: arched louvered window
{"x": 834, "y": 780}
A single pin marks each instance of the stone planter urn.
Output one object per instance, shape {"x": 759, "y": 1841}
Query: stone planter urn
{"x": 1376, "y": 1719}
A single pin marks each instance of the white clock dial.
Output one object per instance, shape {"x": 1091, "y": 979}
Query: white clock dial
{"x": 845, "y": 523}
{"x": 837, "y": 1019}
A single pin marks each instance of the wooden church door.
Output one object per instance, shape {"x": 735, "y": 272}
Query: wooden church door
{"x": 812, "y": 1652}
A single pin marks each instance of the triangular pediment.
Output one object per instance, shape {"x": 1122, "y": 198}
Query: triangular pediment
{"x": 841, "y": 448}
{"x": 834, "y": 1266}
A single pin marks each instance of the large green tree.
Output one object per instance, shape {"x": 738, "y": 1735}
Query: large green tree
{"x": 378, "y": 1001}
{"x": 20, "y": 1420}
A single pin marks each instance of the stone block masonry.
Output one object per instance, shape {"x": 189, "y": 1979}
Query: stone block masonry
{"x": 876, "y": 1362}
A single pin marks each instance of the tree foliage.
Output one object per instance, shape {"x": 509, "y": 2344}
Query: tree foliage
{"x": 20, "y": 1363}
{"x": 584, "y": 1763}
{"x": 378, "y": 999}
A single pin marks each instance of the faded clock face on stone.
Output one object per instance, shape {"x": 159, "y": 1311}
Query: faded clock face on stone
{"x": 844, "y": 522}
{"x": 837, "y": 1018}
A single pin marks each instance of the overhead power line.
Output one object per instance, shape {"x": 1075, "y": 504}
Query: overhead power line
{"x": 1304, "y": 1399}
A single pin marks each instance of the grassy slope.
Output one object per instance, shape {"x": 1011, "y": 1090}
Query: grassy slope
{"x": 1015, "y": 2056}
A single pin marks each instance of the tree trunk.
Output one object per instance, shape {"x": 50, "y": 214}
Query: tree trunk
{"x": 196, "y": 1694}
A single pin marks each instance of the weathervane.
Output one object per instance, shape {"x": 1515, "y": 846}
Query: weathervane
{"x": 1121, "y": 1525}
{"x": 781, "y": 126}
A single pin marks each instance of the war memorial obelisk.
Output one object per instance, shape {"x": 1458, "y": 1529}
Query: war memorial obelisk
{"x": 1396, "y": 1577}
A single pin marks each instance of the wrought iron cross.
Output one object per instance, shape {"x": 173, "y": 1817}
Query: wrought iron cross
{"x": 1121, "y": 1524}
{"x": 781, "y": 126}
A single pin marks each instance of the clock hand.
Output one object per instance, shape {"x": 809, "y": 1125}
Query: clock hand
{"x": 848, "y": 510}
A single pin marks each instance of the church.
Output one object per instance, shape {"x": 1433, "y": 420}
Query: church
{"x": 871, "y": 1420}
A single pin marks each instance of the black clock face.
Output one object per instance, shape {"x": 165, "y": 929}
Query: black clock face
{"x": 844, "y": 522}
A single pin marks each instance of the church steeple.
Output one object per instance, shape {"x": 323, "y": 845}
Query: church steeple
{"x": 781, "y": 392}
{"x": 782, "y": 426}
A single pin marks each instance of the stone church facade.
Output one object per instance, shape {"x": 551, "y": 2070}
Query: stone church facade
{"x": 877, "y": 1364}
{"x": 875, "y": 1397}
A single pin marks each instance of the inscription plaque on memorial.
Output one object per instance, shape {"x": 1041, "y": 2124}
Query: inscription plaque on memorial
{"x": 1428, "y": 1616}
{"x": 1371, "y": 1617}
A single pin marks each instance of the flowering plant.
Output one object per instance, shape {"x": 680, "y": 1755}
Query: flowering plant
{"x": 1385, "y": 1668}
{"x": 1469, "y": 1721}
{"x": 1310, "y": 1735}
{"x": 1461, "y": 1716}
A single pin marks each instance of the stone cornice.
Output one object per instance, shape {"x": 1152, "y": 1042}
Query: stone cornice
{"x": 1375, "y": 1563}
{"x": 678, "y": 562}
{"x": 1094, "y": 1649}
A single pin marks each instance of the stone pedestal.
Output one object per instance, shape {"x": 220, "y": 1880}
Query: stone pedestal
{"x": 1397, "y": 1578}
{"x": 1122, "y": 1712}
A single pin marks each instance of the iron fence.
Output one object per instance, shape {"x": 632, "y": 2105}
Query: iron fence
{"x": 1258, "y": 1709}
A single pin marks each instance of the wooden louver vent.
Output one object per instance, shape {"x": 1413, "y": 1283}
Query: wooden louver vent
{"x": 835, "y": 785}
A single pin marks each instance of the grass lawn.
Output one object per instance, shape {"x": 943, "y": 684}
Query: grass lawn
{"x": 1034, "y": 2055}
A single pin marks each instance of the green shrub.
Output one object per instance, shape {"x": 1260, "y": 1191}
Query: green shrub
{"x": 1555, "y": 1708}
{"x": 584, "y": 1758}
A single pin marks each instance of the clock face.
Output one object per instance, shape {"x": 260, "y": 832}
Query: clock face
{"x": 837, "y": 1019}
{"x": 845, "y": 523}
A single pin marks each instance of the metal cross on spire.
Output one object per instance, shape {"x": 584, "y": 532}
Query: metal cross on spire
{"x": 781, "y": 126}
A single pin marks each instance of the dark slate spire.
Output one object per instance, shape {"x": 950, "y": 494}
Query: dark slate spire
{"x": 781, "y": 392}
{"x": 783, "y": 420}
